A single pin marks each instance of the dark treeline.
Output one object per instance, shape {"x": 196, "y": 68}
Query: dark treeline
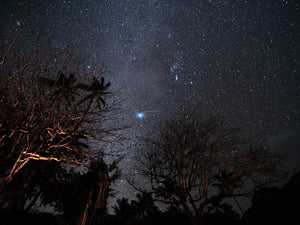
{"x": 269, "y": 206}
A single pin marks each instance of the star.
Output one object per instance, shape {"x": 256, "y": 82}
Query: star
{"x": 140, "y": 115}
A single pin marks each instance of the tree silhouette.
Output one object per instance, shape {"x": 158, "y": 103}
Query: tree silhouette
{"x": 220, "y": 212}
{"x": 137, "y": 211}
{"x": 62, "y": 82}
{"x": 187, "y": 154}
{"x": 50, "y": 118}
{"x": 98, "y": 193}
{"x": 144, "y": 205}
{"x": 123, "y": 209}
{"x": 36, "y": 181}
{"x": 221, "y": 182}
{"x": 97, "y": 90}
{"x": 64, "y": 85}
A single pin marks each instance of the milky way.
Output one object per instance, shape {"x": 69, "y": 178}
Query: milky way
{"x": 234, "y": 58}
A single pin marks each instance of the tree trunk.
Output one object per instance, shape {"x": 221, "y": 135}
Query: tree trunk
{"x": 84, "y": 216}
{"x": 190, "y": 217}
{"x": 100, "y": 198}
{"x": 33, "y": 201}
{"x": 194, "y": 219}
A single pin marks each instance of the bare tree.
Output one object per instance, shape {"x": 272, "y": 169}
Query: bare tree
{"x": 52, "y": 108}
{"x": 49, "y": 122}
{"x": 187, "y": 157}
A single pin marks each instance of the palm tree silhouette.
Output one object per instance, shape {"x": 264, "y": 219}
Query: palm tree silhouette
{"x": 123, "y": 209}
{"x": 68, "y": 87}
{"x": 62, "y": 82}
{"x": 97, "y": 90}
{"x": 65, "y": 85}
{"x": 144, "y": 206}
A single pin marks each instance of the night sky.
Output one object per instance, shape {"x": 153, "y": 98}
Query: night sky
{"x": 234, "y": 58}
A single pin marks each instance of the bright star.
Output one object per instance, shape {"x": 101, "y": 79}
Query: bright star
{"x": 140, "y": 115}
